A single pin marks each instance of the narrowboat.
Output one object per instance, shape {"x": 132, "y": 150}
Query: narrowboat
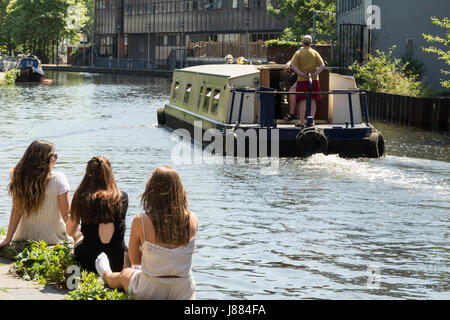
{"x": 30, "y": 69}
{"x": 246, "y": 104}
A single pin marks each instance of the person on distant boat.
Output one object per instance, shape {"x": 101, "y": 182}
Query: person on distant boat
{"x": 307, "y": 63}
{"x": 229, "y": 59}
{"x": 100, "y": 206}
{"x": 40, "y": 197}
{"x": 162, "y": 242}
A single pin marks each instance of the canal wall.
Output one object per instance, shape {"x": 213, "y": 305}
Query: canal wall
{"x": 427, "y": 113}
{"x": 69, "y": 68}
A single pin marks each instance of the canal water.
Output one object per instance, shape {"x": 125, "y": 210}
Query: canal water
{"x": 321, "y": 228}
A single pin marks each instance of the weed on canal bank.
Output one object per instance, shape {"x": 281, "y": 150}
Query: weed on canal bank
{"x": 36, "y": 261}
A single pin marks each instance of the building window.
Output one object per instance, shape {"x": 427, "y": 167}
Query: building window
{"x": 207, "y": 99}
{"x": 106, "y": 46}
{"x": 216, "y": 99}
{"x": 187, "y": 93}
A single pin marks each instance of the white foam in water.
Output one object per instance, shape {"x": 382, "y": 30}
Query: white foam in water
{"x": 401, "y": 171}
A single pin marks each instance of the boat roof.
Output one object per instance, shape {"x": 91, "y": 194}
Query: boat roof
{"x": 225, "y": 70}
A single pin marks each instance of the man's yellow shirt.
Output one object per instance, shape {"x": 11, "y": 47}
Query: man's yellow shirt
{"x": 307, "y": 60}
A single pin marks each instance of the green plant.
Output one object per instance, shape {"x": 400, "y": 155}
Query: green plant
{"x": 91, "y": 287}
{"x": 35, "y": 260}
{"x": 443, "y": 53}
{"x": 412, "y": 65}
{"x": 44, "y": 264}
{"x": 277, "y": 42}
{"x": 11, "y": 76}
{"x": 299, "y": 15}
{"x": 385, "y": 73}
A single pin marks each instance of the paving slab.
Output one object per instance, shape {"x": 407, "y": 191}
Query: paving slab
{"x": 14, "y": 288}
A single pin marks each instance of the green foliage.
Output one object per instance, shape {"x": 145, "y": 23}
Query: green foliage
{"x": 11, "y": 76}
{"x": 44, "y": 264}
{"x": 277, "y": 42}
{"x": 36, "y": 26}
{"x": 91, "y": 287}
{"x": 443, "y": 53}
{"x": 2, "y": 232}
{"x": 302, "y": 21}
{"x": 385, "y": 73}
{"x": 412, "y": 65}
{"x": 38, "y": 262}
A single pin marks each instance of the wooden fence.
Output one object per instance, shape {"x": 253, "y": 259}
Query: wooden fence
{"x": 428, "y": 113}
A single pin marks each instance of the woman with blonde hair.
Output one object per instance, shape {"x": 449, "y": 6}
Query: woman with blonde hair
{"x": 100, "y": 206}
{"x": 162, "y": 242}
{"x": 40, "y": 197}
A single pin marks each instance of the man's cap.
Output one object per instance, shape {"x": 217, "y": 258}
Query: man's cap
{"x": 307, "y": 37}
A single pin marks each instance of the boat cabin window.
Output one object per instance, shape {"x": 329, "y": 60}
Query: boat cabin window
{"x": 187, "y": 93}
{"x": 216, "y": 98}
{"x": 176, "y": 86}
{"x": 207, "y": 99}
{"x": 29, "y": 62}
{"x": 199, "y": 98}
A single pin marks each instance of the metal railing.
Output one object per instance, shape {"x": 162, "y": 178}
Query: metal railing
{"x": 267, "y": 97}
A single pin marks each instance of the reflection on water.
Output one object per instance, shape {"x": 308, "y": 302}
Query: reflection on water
{"x": 314, "y": 230}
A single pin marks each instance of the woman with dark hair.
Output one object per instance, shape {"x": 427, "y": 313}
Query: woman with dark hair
{"x": 100, "y": 206}
{"x": 162, "y": 242}
{"x": 40, "y": 197}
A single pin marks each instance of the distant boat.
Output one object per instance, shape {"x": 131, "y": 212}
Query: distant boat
{"x": 30, "y": 69}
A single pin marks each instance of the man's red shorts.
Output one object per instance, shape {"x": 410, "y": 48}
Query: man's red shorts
{"x": 303, "y": 86}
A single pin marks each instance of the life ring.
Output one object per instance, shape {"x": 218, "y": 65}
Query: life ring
{"x": 161, "y": 116}
{"x": 375, "y": 145}
{"x": 311, "y": 140}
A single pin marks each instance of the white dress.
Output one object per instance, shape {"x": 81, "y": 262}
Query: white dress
{"x": 157, "y": 261}
{"x": 46, "y": 223}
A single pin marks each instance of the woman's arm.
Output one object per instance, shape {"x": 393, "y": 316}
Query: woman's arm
{"x": 72, "y": 226}
{"x": 14, "y": 220}
{"x": 135, "y": 240}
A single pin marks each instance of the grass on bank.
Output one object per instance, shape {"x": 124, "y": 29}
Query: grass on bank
{"x": 33, "y": 260}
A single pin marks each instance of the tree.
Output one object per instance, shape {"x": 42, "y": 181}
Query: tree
{"x": 301, "y": 13}
{"x": 37, "y": 26}
{"x": 443, "y": 53}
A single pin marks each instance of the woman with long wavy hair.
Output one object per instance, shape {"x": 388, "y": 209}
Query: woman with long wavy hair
{"x": 40, "y": 197}
{"x": 100, "y": 206}
{"x": 162, "y": 242}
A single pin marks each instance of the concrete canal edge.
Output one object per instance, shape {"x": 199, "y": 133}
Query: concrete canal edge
{"x": 69, "y": 68}
{"x": 14, "y": 288}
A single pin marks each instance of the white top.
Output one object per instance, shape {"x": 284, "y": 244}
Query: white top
{"x": 227, "y": 70}
{"x": 160, "y": 261}
{"x": 46, "y": 223}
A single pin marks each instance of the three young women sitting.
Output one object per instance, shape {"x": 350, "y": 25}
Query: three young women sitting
{"x": 161, "y": 239}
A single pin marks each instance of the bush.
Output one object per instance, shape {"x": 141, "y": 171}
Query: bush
{"x": 41, "y": 263}
{"x": 11, "y": 76}
{"x": 385, "y": 73}
{"x": 91, "y": 287}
